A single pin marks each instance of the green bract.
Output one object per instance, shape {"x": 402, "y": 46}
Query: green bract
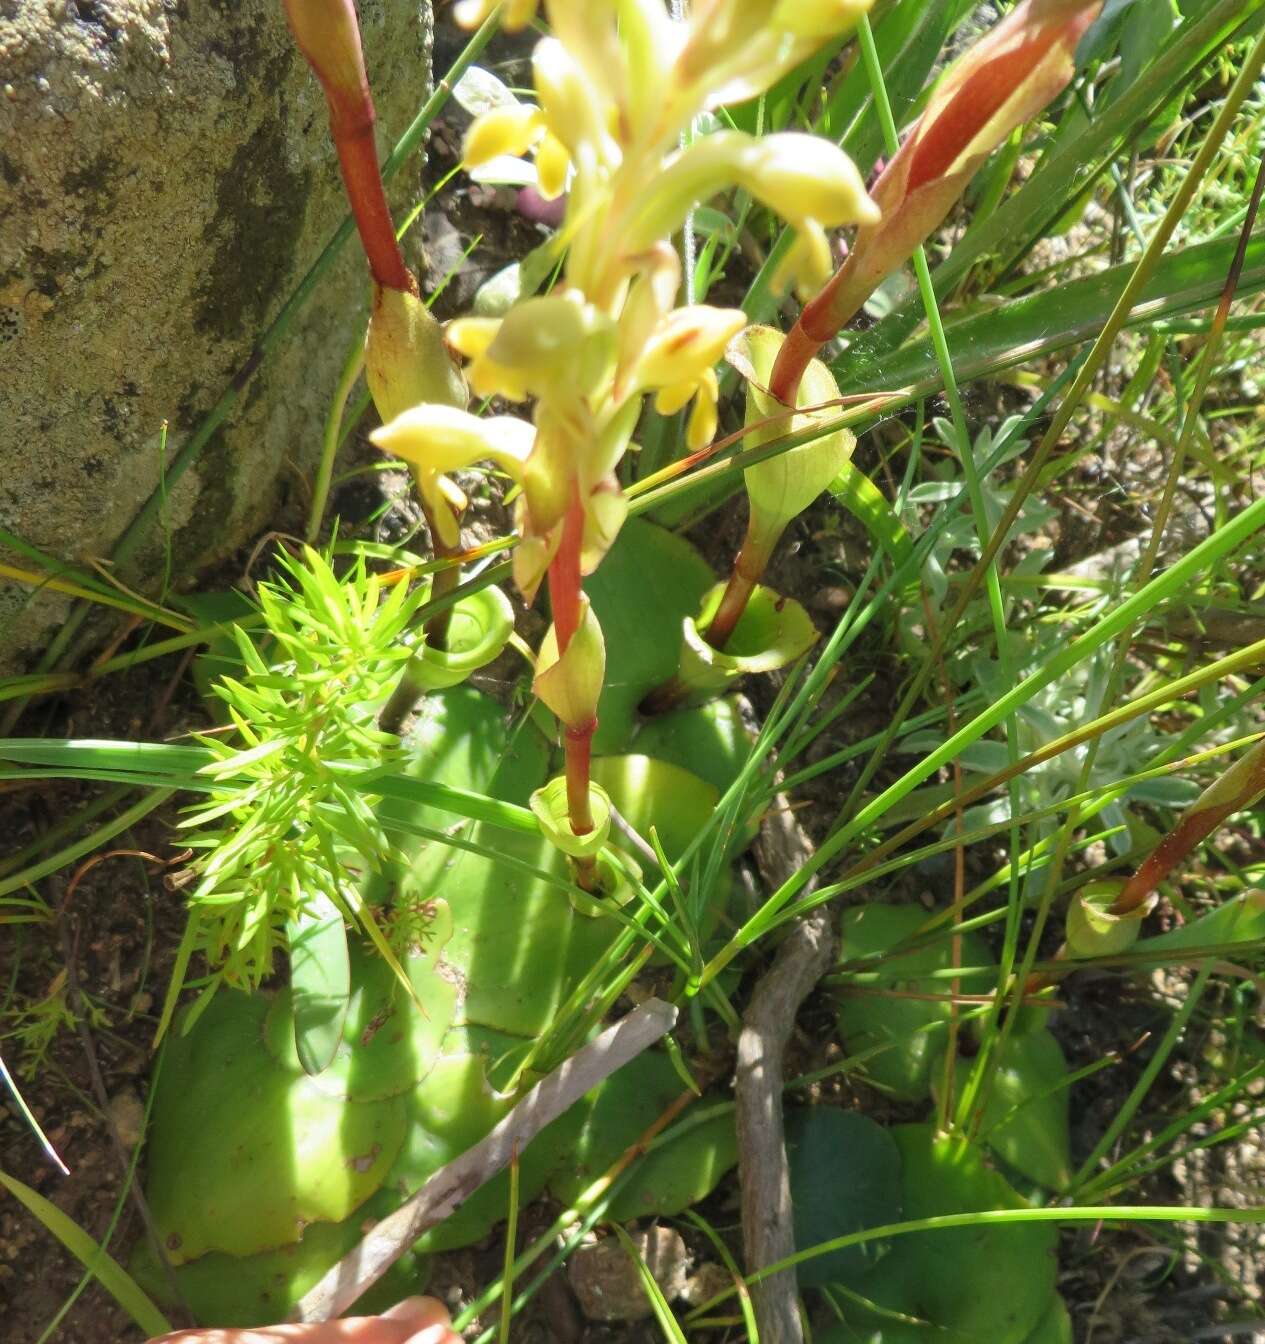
{"x": 1094, "y": 929}
{"x": 550, "y": 806}
{"x": 783, "y": 486}
{"x": 478, "y": 630}
{"x": 772, "y": 632}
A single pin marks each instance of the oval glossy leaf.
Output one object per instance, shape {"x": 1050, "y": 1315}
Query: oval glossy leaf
{"x": 230, "y": 1290}
{"x": 387, "y": 1044}
{"x": 649, "y": 582}
{"x": 906, "y": 1033}
{"x": 244, "y": 1154}
{"x": 967, "y": 1284}
{"x": 682, "y": 1170}
{"x": 1025, "y": 1120}
{"x": 845, "y": 1176}
{"x": 711, "y": 741}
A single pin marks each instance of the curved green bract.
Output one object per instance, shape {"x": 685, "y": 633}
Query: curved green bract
{"x": 478, "y": 630}
{"x": 549, "y": 803}
{"x": 958, "y": 1285}
{"x": 906, "y": 1034}
{"x": 243, "y": 1153}
{"x": 771, "y": 633}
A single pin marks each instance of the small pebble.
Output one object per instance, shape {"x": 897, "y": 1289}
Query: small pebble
{"x": 607, "y": 1283}
{"x": 128, "y": 1116}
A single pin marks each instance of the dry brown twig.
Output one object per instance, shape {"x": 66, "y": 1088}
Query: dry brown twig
{"x": 363, "y": 1266}
{"x": 768, "y": 1233}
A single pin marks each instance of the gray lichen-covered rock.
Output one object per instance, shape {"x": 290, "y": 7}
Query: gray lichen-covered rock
{"x": 166, "y": 178}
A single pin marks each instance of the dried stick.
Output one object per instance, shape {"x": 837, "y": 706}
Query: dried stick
{"x": 768, "y": 1233}
{"x": 362, "y": 1267}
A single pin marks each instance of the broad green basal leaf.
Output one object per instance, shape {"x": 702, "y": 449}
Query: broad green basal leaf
{"x": 965, "y": 1285}
{"x": 244, "y": 1154}
{"x": 681, "y": 1171}
{"x": 387, "y": 1044}
{"x": 845, "y": 1177}
{"x": 906, "y": 1033}
{"x": 650, "y": 581}
{"x": 1025, "y": 1120}
{"x": 320, "y": 981}
{"x": 230, "y": 1290}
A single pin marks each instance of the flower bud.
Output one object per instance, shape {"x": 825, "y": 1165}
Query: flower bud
{"x": 800, "y": 176}
{"x": 805, "y": 177}
{"x": 406, "y": 361}
{"x": 555, "y": 340}
{"x": 515, "y": 14}
{"x": 817, "y": 18}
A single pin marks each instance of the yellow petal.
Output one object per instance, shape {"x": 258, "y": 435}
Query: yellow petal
{"x": 668, "y": 400}
{"x": 442, "y": 439}
{"x": 687, "y": 342}
{"x": 552, "y": 165}
{"x": 511, "y": 129}
{"x": 701, "y": 428}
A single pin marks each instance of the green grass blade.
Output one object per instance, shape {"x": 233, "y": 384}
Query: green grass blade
{"x": 108, "y": 1272}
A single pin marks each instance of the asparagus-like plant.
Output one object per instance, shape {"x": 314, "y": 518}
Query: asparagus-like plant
{"x": 616, "y": 86}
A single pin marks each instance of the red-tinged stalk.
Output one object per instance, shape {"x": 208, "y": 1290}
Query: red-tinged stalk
{"x": 328, "y": 35}
{"x": 1236, "y": 790}
{"x": 748, "y": 569}
{"x": 1001, "y": 82}
{"x": 565, "y": 600}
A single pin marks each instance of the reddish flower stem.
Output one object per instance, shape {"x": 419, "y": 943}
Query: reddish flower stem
{"x": 328, "y": 34}
{"x": 358, "y": 158}
{"x": 749, "y": 566}
{"x": 565, "y": 598}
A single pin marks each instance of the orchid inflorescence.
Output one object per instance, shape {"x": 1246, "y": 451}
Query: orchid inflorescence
{"x": 616, "y": 86}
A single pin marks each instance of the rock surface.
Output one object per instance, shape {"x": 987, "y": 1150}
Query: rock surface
{"x": 607, "y": 1283}
{"x": 166, "y": 178}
